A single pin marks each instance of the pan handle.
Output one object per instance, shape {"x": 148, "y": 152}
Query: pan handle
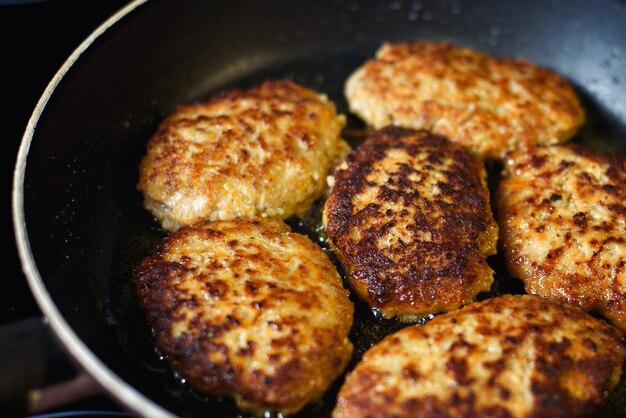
{"x": 37, "y": 374}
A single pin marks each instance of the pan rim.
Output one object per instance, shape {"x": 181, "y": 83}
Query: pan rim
{"x": 124, "y": 393}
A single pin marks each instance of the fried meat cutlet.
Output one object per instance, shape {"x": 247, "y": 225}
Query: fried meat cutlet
{"x": 248, "y": 309}
{"x": 510, "y": 356}
{"x": 409, "y": 217}
{"x": 489, "y": 105}
{"x": 562, "y": 214}
{"x": 262, "y": 151}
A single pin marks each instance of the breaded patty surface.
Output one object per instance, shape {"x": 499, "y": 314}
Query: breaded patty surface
{"x": 410, "y": 219}
{"x": 266, "y": 150}
{"x": 562, "y": 213}
{"x": 249, "y": 309}
{"x": 489, "y": 105}
{"x": 507, "y": 357}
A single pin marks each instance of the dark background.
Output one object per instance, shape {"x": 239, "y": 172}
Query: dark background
{"x": 36, "y": 38}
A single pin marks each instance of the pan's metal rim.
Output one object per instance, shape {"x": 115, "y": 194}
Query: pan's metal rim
{"x": 125, "y": 394}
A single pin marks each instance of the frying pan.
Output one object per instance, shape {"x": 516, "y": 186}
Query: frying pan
{"x": 79, "y": 222}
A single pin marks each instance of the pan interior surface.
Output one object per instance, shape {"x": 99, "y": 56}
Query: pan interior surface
{"x": 86, "y": 224}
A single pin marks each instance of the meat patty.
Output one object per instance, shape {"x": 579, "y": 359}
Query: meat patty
{"x": 249, "y": 309}
{"x": 489, "y": 105}
{"x": 263, "y": 151}
{"x": 511, "y": 356}
{"x": 562, "y": 213}
{"x": 409, "y": 217}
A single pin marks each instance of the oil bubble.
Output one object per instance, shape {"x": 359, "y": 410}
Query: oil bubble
{"x": 377, "y": 313}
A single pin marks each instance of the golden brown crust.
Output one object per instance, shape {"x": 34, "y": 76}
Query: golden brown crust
{"x": 248, "y": 309}
{"x": 511, "y": 356}
{"x": 409, "y": 217}
{"x": 562, "y": 213}
{"x": 489, "y": 105}
{"x": 262, "y": 151}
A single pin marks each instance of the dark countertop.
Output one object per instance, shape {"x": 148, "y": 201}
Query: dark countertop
{"x": 37, "y": 37}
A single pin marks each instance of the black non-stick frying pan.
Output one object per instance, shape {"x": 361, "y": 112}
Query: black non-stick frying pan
{"x": 79, "y": 222}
